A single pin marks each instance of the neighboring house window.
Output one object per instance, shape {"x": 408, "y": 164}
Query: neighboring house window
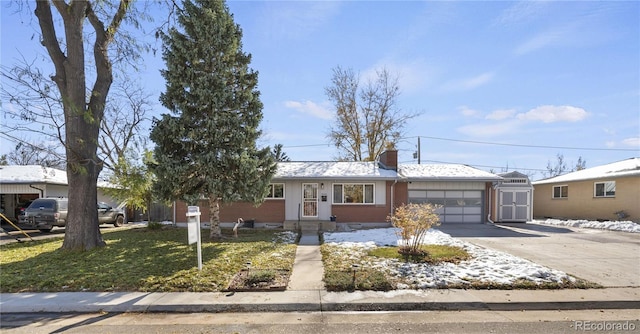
{"x": 276, "y": 191}
{"x": 605, "y": 189}
{"x": 353, "y": 193}
{"x": 560, "y": 191}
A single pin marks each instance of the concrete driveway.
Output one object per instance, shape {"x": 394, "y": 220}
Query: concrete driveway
{"x": 609, "y": 258}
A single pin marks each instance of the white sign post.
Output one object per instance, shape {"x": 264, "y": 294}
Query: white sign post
{"x": 193, "y": 226}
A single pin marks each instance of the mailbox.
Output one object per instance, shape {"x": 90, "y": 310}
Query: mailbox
{"x": 193, "y": 228}
{"x": 193, "y": 223}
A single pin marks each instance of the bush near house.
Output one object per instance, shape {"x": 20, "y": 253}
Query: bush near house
{"x": 413, "y": 221}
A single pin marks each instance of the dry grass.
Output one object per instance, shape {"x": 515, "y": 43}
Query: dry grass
{"x": 140, "y": 260}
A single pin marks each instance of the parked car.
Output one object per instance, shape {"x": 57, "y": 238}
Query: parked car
{"x": 45, "y": 213}
{"x": 19, "y": 211}
{"x": 110, "y": 215}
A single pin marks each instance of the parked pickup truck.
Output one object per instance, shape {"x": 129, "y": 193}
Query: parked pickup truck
{"x": 45, "y": 213}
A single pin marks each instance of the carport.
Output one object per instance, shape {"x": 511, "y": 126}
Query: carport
{"x": 19, "y": 184}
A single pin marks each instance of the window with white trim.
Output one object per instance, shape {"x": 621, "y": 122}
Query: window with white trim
{"x": 604, "y": 189}
{"x": 353, "y": 193}
{"x": 560, "y": 191}
{"x": 276, "y": 191}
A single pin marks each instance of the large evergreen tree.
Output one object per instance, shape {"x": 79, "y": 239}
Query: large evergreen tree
{"x": 207, "y": 146}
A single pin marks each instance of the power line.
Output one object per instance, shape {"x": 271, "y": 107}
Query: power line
{"x": 481, "y": 166}
{"x": 497, "y": 144}
{"x": 530, "y": 146}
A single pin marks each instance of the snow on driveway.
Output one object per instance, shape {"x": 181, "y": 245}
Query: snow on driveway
{"x": 624, "y": 226}
{"x": 486, "y": 265}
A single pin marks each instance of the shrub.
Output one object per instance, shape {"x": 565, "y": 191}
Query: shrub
{"x": 413, "y": 222}
{"x": 154, "y": 226}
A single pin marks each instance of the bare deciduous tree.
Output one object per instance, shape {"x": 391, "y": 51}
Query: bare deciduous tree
{"x": 120, "y": 132}
{"x": 36, "y": 154}
{"x": 560, "y": 166}
{"x": 367, "y": 118}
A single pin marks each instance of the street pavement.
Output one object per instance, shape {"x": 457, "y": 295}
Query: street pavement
{"x": 306, "y": 293}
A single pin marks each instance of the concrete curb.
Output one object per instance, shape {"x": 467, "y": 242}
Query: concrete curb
{"x": 321, "y": 301}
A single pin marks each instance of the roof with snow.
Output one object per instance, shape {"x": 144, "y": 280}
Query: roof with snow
{"x": 445, "y": 172}
{"x": 32, "y": 174}
{"x": 624, "y": 168}
{"x": 29, "y": 174}
{"x": 513, "y": 174}
{"x": 326, "y": 169}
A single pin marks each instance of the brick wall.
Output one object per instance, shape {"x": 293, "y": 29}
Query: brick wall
{"x": 270, "y": 211}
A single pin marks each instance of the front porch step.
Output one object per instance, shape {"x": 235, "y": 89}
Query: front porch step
{"x": 310, "y": 226}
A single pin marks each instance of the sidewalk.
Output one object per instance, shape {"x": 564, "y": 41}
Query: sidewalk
{"x": 318, "y": 300}
{"x": 306, "y": 293}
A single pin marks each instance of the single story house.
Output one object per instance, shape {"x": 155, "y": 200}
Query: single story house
{"x": 325, "y": 195}
{"x": 607, "y": 192}
{"x": 20, "y": 184}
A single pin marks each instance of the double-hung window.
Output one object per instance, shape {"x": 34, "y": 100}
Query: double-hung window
{"x": 353, "y": 193}
{"x": 604, "y": 189}
{"x": 276, "y": 191}
{"x": 560, "y": 191}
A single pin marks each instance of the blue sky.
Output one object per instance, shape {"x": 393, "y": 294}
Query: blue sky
{"x": 538, "y": 78}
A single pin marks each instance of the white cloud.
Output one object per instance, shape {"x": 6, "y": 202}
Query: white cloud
{"x": 501, "y": 114}
{"x": 468, "y": 112}
{"x": 540, "y": 41}
{"x": 520, "y": 13}
{"x": 413, "y": 76}
{"x": 489, "y": 130}
{"x": 310, "y": 108}
{"x": 633, "y": 142}
{"x": 551, "y": 114}
{"x": 469, "y": 83}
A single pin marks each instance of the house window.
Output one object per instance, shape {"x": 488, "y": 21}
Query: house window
{"x": 276, "y": 191}
{"x": 560, "y": 191}
{"x": 353, "y": 193}
{"x": 605, "y": 189}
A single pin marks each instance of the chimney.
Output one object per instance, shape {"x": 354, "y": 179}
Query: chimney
{"x": 389, "y": 160}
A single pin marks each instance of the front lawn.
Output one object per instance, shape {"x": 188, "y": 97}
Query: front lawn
{"x": 368, "y": 260}
{"x": 142, "y": 260}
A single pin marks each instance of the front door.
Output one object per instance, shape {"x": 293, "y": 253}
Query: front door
{"x": 309, "y": 200}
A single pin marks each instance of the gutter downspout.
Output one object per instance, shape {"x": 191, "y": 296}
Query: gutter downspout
{"x": 490, "y": 206}
{"x": 41, "y": 190}
{"x": 393, "y": 186}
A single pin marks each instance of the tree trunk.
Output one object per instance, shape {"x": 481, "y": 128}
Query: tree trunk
{"x": 214, "y": 211}
{"x": 82, "y": 231}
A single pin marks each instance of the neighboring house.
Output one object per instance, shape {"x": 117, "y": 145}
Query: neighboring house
{"x": 360, "y": 194}
{"x": 607, "y": 192}
{"x": 22, "y": 183}
{"x": 513, "y": 201}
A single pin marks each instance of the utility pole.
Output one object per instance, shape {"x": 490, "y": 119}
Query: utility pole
{"x": 418, "y": 150}
{"x": 417, "y": 153}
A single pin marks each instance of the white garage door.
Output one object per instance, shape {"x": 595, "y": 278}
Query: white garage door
{"x": 458, "y": 206}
